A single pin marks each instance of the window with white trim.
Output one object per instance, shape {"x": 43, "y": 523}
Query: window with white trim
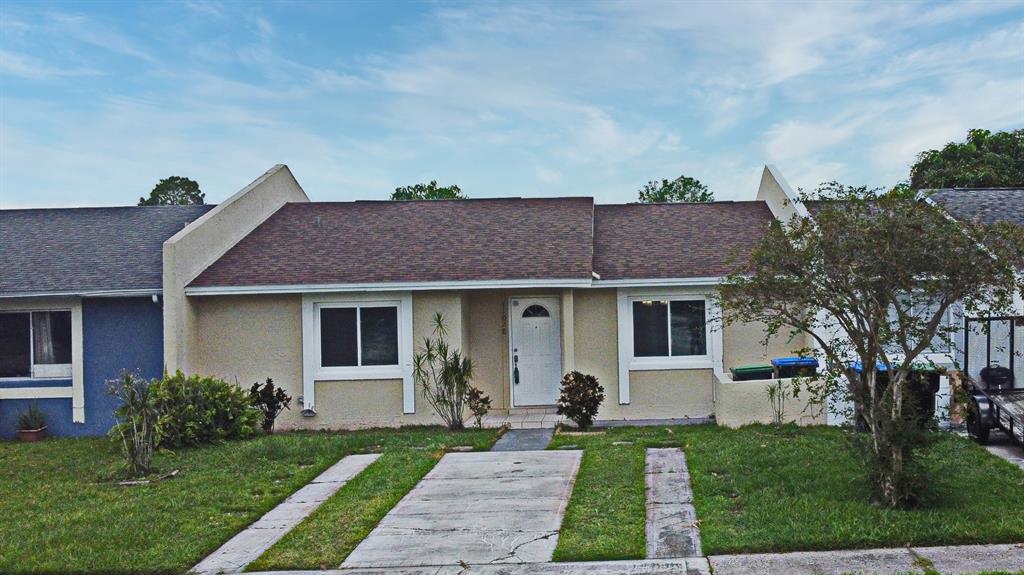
{"x": 35, "y": 344}
{"x": 358, "y": 335}
{"x": 669, "y": 328}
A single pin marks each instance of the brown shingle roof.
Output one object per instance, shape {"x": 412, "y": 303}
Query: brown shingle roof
{"x": 415, "y": 241}
{"x": 499, "y": 239}
{"x": 650, "y": 241}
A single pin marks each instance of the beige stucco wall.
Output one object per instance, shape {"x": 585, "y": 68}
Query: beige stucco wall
{"x": 744, "y": 402}
{"x": 487, "y": 328}
{"x": 744, "y": 345}
{"x": 653, "y": 394}
{"x": 250, "y": 338}
{"x": 199, "y": 244}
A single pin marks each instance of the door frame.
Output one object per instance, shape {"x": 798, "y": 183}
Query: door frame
{"x": 557, "y": 302}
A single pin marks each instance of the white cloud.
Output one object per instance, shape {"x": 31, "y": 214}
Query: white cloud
{"x": 26, "y": 66}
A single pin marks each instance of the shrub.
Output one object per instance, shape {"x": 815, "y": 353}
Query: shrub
{"x": 136, "y": 428}
{"x": 580, "y": 399}
{"x": 444, "y": 374}
{"x": 31, "y": 419}
{"x": 270, "y": 400}
{"x": 479, "y": 404}
{"x": 195, "y": 410}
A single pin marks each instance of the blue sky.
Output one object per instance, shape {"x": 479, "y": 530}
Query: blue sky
{"x": 100, "y": 100}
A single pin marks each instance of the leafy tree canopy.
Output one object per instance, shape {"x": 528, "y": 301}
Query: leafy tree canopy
{"x": 984, "y": 160}
{"x": 871, "y": 279}
{"x": 429, "y": 191}
{"x": 174, "y": 190}
{"x": 681, "y": 189}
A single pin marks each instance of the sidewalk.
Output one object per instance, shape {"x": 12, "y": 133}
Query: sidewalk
{"x": 946, "y": 560}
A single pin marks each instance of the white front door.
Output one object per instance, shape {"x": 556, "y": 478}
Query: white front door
{"x": 536, "y": 342}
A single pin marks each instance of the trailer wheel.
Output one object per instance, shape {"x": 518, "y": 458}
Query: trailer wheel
{"x": 978, "y": 426}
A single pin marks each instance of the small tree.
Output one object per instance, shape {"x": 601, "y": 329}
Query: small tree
{"x": 681, "y": 189}
{"x": 580, "y": 398}
{"x": 270, "y": 400}
{"x": 174, "y": 190}
{"x": 136, "y": 429}
{"x": 429, "y": 191}
{"x": 870, "y": 279}
{"x": 444, "y": 375}
{"x": 479, "y": 404}
{"x": 984, "y": 160}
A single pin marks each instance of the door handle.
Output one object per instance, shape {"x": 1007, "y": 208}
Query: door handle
{"x": 515, "y": 369}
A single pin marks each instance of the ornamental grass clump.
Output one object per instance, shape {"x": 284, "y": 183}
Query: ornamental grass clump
{"x": 444, "y": 375}
{"x": 136, "y": 429}
{"x": 580, "y": 399}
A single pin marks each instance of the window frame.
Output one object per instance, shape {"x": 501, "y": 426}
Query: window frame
{"x": 357, "y": 306}
{"x": 312, "y": 372}
{"x": 667, "y": 362}
{"x": 43, "y": 371}
{"x": 358, "y": 371}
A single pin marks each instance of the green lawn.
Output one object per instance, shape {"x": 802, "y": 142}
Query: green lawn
{"x": 62, "y": 510}
{"x": 761, "y": 489}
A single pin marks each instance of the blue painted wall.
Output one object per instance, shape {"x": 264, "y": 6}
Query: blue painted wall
{"x": 117, "y": 334}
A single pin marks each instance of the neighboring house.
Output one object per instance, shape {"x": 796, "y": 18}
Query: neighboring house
{"x": 985, "y": 341}
{"x": 1003, "y": 344}
{"x": 79, "y": 303}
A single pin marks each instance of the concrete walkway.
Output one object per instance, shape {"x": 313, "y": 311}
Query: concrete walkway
{"x": 475, "y": 508}
{"x": 524, "y": 440}
{"x": 946, "y": 560}
{"x": 250, "y": 543}
{"x": 671, "y": 519}
{"x": 641, "y": 567}
{"x": 1001, "y": 445}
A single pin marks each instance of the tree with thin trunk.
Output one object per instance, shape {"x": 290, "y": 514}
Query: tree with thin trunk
{"x": 870, "y": 279}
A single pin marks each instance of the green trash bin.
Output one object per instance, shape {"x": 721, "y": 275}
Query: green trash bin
{"x": 752, "y": 372}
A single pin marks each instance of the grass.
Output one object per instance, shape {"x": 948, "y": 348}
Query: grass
{"x": 763, "y": 489}
{"x": 605, "y": 516}
{"x": 325, "y": 538}
{"x": 63, "y": 511}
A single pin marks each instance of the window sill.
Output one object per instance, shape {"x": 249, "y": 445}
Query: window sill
{"x": 670, "y": 363}
{"x": 357, "y": 373}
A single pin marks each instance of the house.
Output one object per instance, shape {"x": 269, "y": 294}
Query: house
{"x": 332, "y": 300}
{"x": 79, "y": 302}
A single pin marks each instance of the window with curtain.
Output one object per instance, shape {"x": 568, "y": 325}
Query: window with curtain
{"x": 35, "y": 344}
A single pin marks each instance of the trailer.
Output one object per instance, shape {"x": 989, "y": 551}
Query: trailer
{"x": 992, "y": 365}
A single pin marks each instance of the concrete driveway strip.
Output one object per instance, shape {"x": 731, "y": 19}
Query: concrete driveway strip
{"x": 250, "y": 543}
{"x": 476, "y": 508}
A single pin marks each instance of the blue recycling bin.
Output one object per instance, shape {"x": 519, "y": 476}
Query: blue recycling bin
{"x": 795, "y": 366}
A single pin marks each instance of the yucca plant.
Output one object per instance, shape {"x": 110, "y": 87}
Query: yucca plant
{"x": 444, "y": 375}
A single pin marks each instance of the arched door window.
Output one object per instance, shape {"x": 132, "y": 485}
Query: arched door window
{"x": 536, "y": 311}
